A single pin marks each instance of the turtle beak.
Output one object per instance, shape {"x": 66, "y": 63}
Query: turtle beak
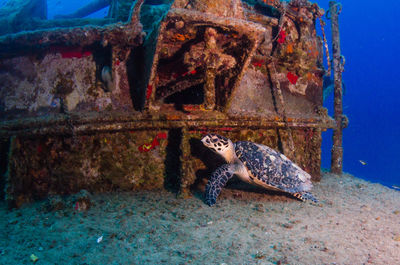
{"x": 206, "y": 140}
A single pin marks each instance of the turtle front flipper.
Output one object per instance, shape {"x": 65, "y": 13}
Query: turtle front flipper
{"x": 217, "y": 181}
{"x": 305, "y": 196}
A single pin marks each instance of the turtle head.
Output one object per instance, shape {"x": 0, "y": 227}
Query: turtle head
{"x": 220, "y": 145}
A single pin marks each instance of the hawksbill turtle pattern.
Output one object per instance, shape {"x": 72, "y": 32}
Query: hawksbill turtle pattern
{"x": 258, "y": 165}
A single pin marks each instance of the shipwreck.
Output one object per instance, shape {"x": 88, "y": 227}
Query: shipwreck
{"x": 105, "y": 104}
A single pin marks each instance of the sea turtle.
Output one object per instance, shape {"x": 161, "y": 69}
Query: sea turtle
{"x": 256, "y": 164}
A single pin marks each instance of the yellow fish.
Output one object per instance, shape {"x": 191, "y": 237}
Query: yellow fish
{"x": 363, "y": 162}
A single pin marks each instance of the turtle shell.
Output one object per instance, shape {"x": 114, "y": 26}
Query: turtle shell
{"x": 271, "y": 169}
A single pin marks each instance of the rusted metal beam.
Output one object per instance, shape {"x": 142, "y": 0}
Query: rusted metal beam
{"x": 258, "y": 18}
{"x": 337, "y": 148}
{"x": 116, "y": 34}
{"x": 78, "y": 124}
{"x": 13, "y": 44}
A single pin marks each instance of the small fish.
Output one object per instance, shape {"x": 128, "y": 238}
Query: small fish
{"x": 106, "y": 77}
{"x": 55, "y": 102}
{"x": 396, "y": 187}
{"x": 363, "y": 162}
{"x": 329, "y": 87}
{"x": 100, "y": 239}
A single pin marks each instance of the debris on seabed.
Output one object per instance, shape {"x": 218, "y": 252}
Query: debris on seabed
{"x": 34, "y": 258}
{"x": 259, "y": 255}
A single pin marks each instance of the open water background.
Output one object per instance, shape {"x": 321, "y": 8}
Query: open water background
{"x": 369, "y": 40}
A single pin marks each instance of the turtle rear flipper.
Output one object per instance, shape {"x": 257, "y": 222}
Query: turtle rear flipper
{"x": 305, "y": 196}
{"x": 217, "y": 181}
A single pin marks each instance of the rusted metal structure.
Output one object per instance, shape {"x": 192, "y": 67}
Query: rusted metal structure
{"x": 106, "y": 107}
{"x": 338, "y": 67}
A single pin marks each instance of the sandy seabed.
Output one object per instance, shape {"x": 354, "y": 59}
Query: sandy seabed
{"x": 358, "y": 222}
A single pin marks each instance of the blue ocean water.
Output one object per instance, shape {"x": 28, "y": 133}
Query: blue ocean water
{"x": 60, "y": 7}
{"x": 369, "y": 39}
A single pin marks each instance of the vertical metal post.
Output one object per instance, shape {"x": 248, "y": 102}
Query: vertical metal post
{"x": 337, "y": 148}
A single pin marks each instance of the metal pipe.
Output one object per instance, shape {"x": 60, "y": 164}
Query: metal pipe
{"x": 337, "y": 148}
{"x": 62, "y": 124}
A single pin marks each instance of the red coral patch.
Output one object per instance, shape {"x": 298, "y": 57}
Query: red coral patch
{"x": 282, "y": 36}
{"x": 292, "y": 78}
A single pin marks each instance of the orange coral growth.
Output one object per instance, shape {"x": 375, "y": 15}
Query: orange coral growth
{"x": 313, "y": 52}
{"x": 179, "y": 37}
{"x": 173, "y": 117}
{"x": 269, "y": 2}
{"x": 289, "y": 48}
